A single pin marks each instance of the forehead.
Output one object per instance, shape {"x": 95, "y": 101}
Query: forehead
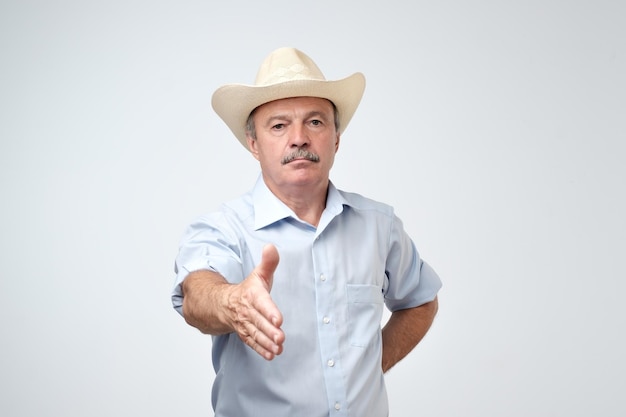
{"x": 294, "y": 105}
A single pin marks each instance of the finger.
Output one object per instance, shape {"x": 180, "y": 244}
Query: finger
{"x": 269, "y": 261}
{"x": 261, "y": 342}
{"x": 258, "y": 348}
{"x": 270, "y": 316}
{"x": 265, "y": 325}
{"x": 260, "y": 323}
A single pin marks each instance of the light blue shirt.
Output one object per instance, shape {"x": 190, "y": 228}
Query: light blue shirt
{"x": 331, "y": 284}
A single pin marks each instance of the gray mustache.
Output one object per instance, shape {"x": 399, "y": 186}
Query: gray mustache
{"x": 300, "y": 153}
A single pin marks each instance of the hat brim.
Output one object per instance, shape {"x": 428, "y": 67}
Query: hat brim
{"x": 234, "y": 102}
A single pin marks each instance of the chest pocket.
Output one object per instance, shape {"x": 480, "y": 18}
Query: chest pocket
{"x": 365, "y": 309}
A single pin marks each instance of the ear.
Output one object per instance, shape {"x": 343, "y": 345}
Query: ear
{"x": 337, "y": 140}
{"x": 252, "y": 146}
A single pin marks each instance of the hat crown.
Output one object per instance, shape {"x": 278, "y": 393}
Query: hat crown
{"x": 287, "y": 64}
{"x": 287, "y": 72}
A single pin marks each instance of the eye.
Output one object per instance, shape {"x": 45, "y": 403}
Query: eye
{"x": 316, "y": 122}
{"x": 278, "y": 126}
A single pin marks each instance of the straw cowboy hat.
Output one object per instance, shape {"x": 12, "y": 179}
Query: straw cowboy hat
{"x": 285, "y": 73}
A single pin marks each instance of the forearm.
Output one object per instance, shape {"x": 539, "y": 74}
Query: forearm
{"x": 203, "y": 294}
{"x": 214, "y": 306}
{"x": 404, "y": 330}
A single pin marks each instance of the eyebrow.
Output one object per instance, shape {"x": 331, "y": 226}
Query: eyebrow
{"x": 312, "y": 113}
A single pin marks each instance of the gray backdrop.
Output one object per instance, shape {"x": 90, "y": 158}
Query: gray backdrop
{"x": 496, "y": 130}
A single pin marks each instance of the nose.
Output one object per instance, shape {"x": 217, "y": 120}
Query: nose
{"x": 299, "y": 137}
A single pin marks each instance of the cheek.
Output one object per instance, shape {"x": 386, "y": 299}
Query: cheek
{"x": 268, "y": 158}
{"x": 330, "y": 159}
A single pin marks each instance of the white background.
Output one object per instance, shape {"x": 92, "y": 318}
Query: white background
{"x": 495, "y": 128}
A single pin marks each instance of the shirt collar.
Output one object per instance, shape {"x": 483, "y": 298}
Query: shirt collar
{"x": 269, "y": 209}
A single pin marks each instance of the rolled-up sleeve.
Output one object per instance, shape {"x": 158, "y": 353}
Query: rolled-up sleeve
{"x": 206, "y": 244}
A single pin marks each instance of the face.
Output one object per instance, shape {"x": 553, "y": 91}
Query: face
{"x": 296, "y": 142}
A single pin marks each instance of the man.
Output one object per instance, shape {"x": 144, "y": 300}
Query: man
{"x": 291, "y": 278}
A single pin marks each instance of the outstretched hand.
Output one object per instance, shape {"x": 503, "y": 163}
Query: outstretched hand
{"x": 253, "y": 314}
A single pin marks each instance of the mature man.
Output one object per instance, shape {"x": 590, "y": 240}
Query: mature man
{"x": 292, "y": 277}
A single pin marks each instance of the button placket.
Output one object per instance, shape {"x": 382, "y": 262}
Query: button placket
{"x": 326, "y": 305}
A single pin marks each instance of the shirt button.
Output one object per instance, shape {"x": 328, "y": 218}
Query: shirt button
{"x": 337, "y": 406}
{"x": 331, "y": 363}
{"x": 323, "y": 277}
{"x": 326, "y": 320}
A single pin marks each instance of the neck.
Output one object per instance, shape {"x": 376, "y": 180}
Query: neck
{"x": 307, "y": 203}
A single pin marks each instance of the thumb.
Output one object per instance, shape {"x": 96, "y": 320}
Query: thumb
{"x": 269, "y": 261}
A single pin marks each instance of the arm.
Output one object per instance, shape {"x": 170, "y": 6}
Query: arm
{"x": 404, "y": 330}
{"x": 215, "y": 307}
